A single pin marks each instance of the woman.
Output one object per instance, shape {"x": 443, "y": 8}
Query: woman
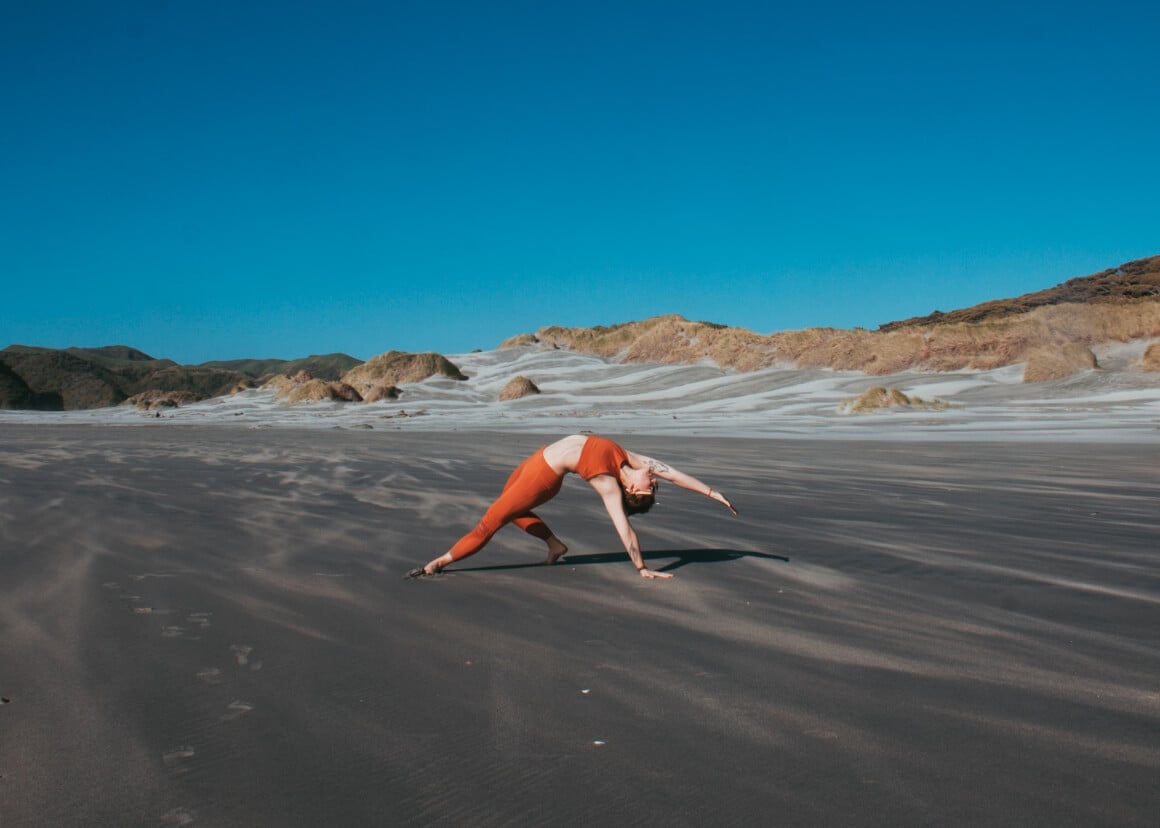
{"x": 625, "y": 481}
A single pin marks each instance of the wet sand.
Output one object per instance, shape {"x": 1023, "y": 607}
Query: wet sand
{"x": 209, "y": 626}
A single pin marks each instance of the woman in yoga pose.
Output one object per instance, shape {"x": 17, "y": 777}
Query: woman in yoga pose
{"x": 625, "y": 481}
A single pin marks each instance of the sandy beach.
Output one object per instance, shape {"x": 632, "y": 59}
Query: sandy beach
{"x": 209, "y": 626}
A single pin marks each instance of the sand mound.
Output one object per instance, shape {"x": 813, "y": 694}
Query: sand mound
{"x": 518, "y": 387}
{"x": 879, "y": 398}
{"x": 1051, "y": 363}
{"x": 397, "y": 367}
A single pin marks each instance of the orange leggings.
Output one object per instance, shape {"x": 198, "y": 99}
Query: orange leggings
{"x": 532, "y": 484}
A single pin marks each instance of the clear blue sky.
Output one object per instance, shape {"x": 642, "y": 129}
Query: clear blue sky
{"x": 223, "y": 179}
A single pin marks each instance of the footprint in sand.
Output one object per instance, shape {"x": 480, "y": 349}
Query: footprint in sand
{"x": 242, "y": 656}
{"x": 199, "y": 619}
{"x": 175, "y": 759}
{"x": 178, "y": 816}
{"x": 236, "y": 709}
{"x": 210, "y": 675}
{"x": 145, "y": 575}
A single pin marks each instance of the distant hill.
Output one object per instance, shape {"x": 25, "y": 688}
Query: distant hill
{"x": 1118, "y": 285}
{"x": 77, "y": 378}
{"x": 15, "y": 394}
{"x": 1117, "y": 305}
{"x": 51, "y": 379}
{"x": 329, "y": 367}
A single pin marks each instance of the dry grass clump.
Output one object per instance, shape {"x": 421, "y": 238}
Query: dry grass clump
{"x": 1056, "y": 362}
{"x": 607, "y": 342}
{"x": 517, "y": 388}
{"x": 379, "y": 393}
{"x": 666, "y": 340}
{"x": 153, "y": 400}
{"x": 316, "y": 390}
{"x": 879, "y": 398}
{"x": 303, "y": 387}
{"x": 1151, "y": 359}
{"x": 397, "y": 367}
{"x": 519, "y": 341}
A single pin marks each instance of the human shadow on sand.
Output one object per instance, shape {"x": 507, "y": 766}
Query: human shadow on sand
{"x": 683, "y": 557}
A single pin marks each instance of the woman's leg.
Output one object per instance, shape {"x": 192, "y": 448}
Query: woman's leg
{"x": 534, "y": 526}
{"x": 531, "y": 484}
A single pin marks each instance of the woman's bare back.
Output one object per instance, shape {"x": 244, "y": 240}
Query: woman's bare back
{"x": 564, "y": 454}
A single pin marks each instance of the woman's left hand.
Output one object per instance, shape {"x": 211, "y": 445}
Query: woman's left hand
{"x": 652, "y": 573}
{"x": 720, "y": 498}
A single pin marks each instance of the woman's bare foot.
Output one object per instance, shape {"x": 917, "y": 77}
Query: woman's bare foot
{"x": 556, "y": 550}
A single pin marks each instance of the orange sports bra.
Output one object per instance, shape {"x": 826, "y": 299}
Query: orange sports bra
{"x": 600, "y": 456}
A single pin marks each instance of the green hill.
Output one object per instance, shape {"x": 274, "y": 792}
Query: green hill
{"x": 328, "y": 367}
{"x": 78, "y": 378}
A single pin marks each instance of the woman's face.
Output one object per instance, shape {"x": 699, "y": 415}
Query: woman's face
{"x": 637, "y": 481}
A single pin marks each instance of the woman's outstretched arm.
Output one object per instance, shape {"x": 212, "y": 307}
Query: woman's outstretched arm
{"x": 686, "y": 481}
{"x": 610, "y": 493}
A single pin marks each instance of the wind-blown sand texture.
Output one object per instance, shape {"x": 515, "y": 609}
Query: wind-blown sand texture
{"x": 207, "y": 626}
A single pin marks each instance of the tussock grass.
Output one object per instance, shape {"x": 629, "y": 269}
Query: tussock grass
{"x": 519, "y": 341}
{"x": 1051, "y": 363}
{"x": 879, "y": 398}
{"x": 1150, "y": 361}
{"x": 304, "y": 387}
{"x": 382, "y": 392}
{"x": 517, "y": 388}
{"x": 153, "y": 400}
{"x": 397, "y": 367}
{"x": 665, "y": 340}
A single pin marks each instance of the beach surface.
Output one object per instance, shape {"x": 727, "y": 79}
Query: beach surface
{"x": 209, "y": 625}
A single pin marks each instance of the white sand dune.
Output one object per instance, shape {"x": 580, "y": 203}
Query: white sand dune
{"x": 586, "y": 392}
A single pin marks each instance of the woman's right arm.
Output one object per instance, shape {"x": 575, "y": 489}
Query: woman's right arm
{"x": 610, "y": 493}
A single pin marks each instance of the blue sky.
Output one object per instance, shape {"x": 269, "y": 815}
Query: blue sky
{"x": 217, "y": 180}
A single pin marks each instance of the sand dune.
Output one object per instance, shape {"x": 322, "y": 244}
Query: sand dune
{"x": 582, "y": 391}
